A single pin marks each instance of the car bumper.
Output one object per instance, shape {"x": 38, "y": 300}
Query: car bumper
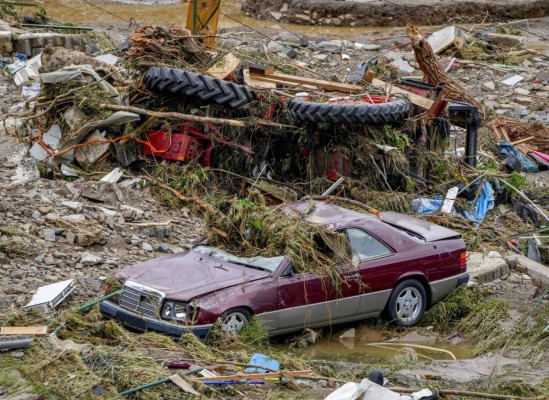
{"x": 462, "y": 280}
{"x": 143, "y": 323}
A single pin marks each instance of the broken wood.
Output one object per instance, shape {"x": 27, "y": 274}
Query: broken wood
{"x": 523, "y": 140}
{"x": 183, "y": 384}
{"x": 228, "y": 65}
{"x": 24, "y": 330}
{"x": 253, "y": 376}
{"x": 276, "y": 77}
{"x": 416, "y": 99}
{"x": 261, "y": 69}
{"x": 433, "y": 73}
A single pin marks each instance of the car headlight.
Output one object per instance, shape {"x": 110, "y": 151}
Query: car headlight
{"x": 175, "y": 310}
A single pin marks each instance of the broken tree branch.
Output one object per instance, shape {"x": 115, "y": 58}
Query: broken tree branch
{"x": 467, "y": 393}
{"x": 196, "y": 118}
{"x": 433, "y": 73}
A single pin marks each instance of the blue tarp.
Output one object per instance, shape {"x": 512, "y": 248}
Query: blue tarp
{"x": 426, "y": 206}
{"x": 485, "y": 202}
{"x": 507, "y": 148}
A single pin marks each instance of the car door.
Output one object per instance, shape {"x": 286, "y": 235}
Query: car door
{"x": 376, "y": 265}
{"x": 303, "y": 299}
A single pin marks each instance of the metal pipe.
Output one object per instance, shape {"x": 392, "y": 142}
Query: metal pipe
{"x": 156, "y": 383}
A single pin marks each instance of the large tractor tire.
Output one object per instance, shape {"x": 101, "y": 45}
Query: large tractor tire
{"x": 352, "y": 113}
{"x": 177, "y": 82}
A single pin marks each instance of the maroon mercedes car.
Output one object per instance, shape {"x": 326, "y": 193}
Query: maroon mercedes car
{"x": 402, "y": 265}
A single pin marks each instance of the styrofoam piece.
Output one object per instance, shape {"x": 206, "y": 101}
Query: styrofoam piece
{"x": 49, "y": 296}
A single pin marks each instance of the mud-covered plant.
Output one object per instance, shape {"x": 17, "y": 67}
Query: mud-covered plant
{"x": 455, "y": 307}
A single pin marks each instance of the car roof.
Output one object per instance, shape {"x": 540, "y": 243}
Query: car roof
{"x": 325, "y": 213}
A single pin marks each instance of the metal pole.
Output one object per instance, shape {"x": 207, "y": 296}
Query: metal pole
{"x": 156, "y": 383}
{"x": 99, "y": 300}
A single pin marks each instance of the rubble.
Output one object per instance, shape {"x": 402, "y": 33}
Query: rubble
{"x": 89, "y": 188}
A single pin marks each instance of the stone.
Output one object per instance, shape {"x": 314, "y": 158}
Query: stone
{"x": 506, "y": 40}
{"x": 489, "y": 85}
{"x": 276, "y": 15}
{"x": 163, "y": 248}
{"x": 73, "y": 205}
{"x": 291, "y": 39}
{"x": 274, "y": 47}
{"x": 332, "y": 46}
{"x": 48, "y": 235}
{"x": 535, "y": 270}
{"x": 486, "y": 269}
{"x": 147, "y": 247}
{"x": 284, "y": 8}
{"x": 514, "y": 278}
{"x": 367, "y": 47}
{"x": 90, "y": 259}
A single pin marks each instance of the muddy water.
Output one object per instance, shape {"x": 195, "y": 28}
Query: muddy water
{"x": 81, "y": 12}
{"x": 373, "y": 345}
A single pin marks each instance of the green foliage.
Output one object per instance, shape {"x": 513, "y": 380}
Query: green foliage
{"x": 254, "y": 334}
{"x": 394, "y": 137}
{"x": 517, "y": 180}
{"x": 459, "y": 304}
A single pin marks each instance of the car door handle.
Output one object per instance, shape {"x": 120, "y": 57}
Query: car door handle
{"x": 352, "y": 277}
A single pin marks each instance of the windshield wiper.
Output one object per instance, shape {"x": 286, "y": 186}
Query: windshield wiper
{"x": 249, "y": 265}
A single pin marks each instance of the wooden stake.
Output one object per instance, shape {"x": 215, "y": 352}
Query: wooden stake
{"x": 523, "y": 140}
{"x": 299, "y": 80}
{"x": 253, "y": 376}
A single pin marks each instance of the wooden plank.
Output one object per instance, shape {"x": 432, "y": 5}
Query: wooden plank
{"x": 369, "y": 76}
{"x": 24, "y": 330}
{"x": 523, "y": 140}
{"x": 292, "y": 79}
{"x": 416, "y": 99}
{"x": 436, "y": 102}
{"x": 261, "y": 69}
{"x": 253, "y": 376}
{"x": 183, "y": 384}
{"x": 254, "y": 83}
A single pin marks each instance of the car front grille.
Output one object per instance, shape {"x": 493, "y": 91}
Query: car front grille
{"x": 141, "y": 299}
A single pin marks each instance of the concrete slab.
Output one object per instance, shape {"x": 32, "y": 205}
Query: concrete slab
{"x": 486, "y": 268}
{"x": 538, "y": 272}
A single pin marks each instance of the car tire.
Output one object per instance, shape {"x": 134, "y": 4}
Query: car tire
{"x": 407, "y": 303}
{"x": 233, "y": 321}
{"x": 363, "y": 113}
{"x": 177, "y": 82}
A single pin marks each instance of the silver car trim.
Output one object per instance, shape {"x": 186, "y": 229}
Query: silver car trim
{"x": 441, "y": 288}
{"x": 368, "y": 305}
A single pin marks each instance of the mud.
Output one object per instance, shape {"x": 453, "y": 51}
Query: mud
{"x": 394, "y": 12}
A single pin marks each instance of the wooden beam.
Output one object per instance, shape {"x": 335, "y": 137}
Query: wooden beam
{"x": 416, "y": 99}
{"x": 24, "y": 330}
{"x": 523, "y": 140}
{"x": 299, "y": 80}
{"x": 253, "y": 376}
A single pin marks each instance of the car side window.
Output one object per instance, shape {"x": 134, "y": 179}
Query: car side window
{"x": 366, "y": 246}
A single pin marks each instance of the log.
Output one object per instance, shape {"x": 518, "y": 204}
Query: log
{"x": 432, "y": 72}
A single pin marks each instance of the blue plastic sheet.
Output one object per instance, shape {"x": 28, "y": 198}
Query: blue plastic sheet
{"x": 426, "y": 206}
{"x": 485, "y": 202}
{"x": 507, "y": 148}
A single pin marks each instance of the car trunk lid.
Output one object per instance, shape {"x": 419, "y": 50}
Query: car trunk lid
{"x": 427, "y": 230}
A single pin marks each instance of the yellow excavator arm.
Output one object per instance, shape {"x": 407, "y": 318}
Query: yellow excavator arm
{"x": 202, "y": 19}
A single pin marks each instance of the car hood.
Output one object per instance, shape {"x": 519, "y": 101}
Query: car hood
{"x": 188, "y": 275}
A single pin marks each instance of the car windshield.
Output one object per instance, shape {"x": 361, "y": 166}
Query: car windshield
{"x": 269, "y": 264}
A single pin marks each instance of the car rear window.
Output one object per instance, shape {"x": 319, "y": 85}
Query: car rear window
{"x": 408, "y": 233}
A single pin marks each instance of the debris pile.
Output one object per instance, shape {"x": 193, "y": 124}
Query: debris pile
{"x": 110, "y": 154}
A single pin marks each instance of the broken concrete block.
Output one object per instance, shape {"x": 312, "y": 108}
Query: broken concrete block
{"x": 444, "y": 38}
{"x": 512, "y": 81}
{"x": 289, "y": 52}
{"x": 90, "y": 259}
{"x": 90, "y": 154}
{"x": 506, "y": 40}
{"x": 113, "y": 176}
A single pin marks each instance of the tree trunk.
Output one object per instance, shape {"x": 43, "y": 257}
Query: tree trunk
{"x": 433, "y": 73}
